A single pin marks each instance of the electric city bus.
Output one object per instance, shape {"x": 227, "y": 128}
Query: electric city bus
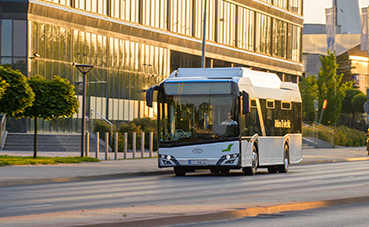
{"x": 227, "y": 118}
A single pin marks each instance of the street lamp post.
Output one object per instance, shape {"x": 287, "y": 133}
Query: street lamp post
{"x": 203, "y": 65}
{"x": 84, "y": 69}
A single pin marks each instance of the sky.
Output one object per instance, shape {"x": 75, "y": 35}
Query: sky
{"x": 314, "y": 10}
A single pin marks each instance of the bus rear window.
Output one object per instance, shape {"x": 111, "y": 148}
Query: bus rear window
{"x": 286, "y": 105}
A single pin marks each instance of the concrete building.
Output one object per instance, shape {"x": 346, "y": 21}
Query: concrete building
{"x": 347, "y": 41}
{"x": 134, "y": 44}
{"x": 348, "y": 16}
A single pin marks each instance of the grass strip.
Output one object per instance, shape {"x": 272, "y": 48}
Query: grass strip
{"x": 6, "y": 160}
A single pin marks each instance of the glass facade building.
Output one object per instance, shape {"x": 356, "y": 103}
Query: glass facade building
{"x": 134, "y": 44}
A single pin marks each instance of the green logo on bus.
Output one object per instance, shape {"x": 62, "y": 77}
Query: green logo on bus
{"x": 228, "y": 149}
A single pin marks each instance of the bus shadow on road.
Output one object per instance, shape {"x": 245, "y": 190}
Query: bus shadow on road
{"x": 230, "y": 174}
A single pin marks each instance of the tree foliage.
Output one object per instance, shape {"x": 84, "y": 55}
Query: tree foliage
{"x": 331, "y": 88}
{"x": 346, "y": 103}
{"x": 3, "y": 86}
{"x": 18, "y": 96}
{"x": 308, "y": 90}
{"x": 358, "y": 102}
{"x": 54, "y": 99}
{"x": 345, "y": 67}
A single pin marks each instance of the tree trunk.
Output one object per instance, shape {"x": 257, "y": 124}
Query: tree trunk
{"x": 35, "y": 140}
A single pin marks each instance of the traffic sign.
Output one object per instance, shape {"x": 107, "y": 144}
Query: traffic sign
{"x": 324, "y": 104}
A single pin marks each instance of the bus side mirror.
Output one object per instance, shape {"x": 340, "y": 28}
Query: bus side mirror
{"x": 245, "y": 103}
{"x": 150, "y": 95}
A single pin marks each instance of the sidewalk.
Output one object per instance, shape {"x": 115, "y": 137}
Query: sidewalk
{"x": 38, "y": 174}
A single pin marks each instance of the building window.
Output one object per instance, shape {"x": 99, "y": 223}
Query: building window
{"x": 294, "y": 43}
{"x": 246, "y": 28}
{"x": 279, "y": 38}
{"x": 155, "y": 13}
{"x": 295, "y": 6}
{"x": 226, "y": 23}
{"x": 181, "y": 15}
{"x": 199, "y": 19}
{"x": 280, "y": 3}
{"x": 262, "y": 33}
{"x": 6, "y": 38}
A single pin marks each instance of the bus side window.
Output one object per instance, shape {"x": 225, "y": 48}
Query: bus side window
{"x": 254, "y": 126}
{"x": 270, "y": 109}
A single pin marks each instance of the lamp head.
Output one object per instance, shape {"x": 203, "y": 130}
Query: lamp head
{"x": 84, "y": 68}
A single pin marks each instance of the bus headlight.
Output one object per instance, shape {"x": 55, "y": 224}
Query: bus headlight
{"x": 168, "y": 160}
{"x": 229, "y": 159}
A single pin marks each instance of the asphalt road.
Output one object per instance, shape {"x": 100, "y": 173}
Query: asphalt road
{"x": 349, "y": 215}
{"x": 155, "y": 196}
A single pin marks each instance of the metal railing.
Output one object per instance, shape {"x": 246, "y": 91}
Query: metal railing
{"x": 2, "y": 131}
{"x": 319, "y": 135}
{"x": 107, "y": 121}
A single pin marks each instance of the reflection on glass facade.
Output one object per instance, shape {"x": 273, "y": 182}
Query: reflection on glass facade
{"x": 125, "y": 66}
{"x": 122, "y": 68}
{"x": 263, "y": 33}
{"x": 228, "y": 22}
{"x": 279, "y": 38}
{"x": 246, "y": 30}
{"x": 7, "y": 38}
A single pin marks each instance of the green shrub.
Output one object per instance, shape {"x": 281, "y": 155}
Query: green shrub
{"x": 138, "y": 125}
{"x": 345, "y": 136}
{"x": 129, "y": 128}
{"x": 102, "y": 127}
{"x": 148, "y": 125}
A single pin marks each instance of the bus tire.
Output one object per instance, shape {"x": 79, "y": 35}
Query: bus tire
{"x": 254, "y": 163}
{"x": 286, "y": 160}
{"x": 179, "y": 171}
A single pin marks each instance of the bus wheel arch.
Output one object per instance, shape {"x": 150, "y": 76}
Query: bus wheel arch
{"x": 254, "y": 161}
{"x": 286, "y": 159}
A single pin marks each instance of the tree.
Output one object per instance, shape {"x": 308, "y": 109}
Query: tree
{"x": 3, "y": 86}
{"x": 308, "y": 90}
{"x": 345, "y": 68}
{"x": 18, "y": 96}
{"x": 331, "y": 88}
{"x": 347, "y": 106}
{"x": 346, "y": 103}
{"x": 54, "y": 99}
{"x": 358, "y": 102}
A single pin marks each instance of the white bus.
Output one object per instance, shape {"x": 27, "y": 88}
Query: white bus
{"x": 227, "y": 118}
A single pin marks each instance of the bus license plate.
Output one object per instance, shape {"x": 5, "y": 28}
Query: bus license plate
{"x": 197, "y": 162}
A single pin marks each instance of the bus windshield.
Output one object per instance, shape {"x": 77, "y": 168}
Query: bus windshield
{"x": 197, "y": 118}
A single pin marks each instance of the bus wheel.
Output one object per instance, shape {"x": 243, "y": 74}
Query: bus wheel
{"x": 254, "y": 163}
{"x": 179, "y": 171}
{"x": 286, "y": 163}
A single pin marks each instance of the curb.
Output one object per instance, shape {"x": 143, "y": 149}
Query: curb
{"x": 333, "y": 160}
{"x": 229, "y": 215}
